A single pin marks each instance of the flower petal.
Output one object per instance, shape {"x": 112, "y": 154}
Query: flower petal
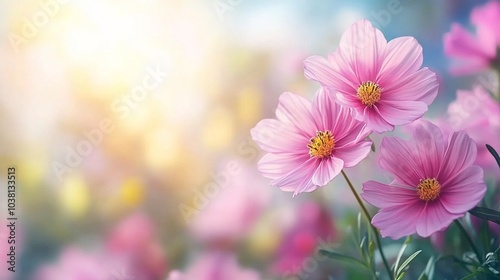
{"x": 346, "y": 129}
{"x": 356, "y": 132}
{"x": 351, "y": 100}
{"x": 274, "y": 136}
{"x": 461, "y": 43}
{"x": 353, "y": 154}
{"x": 421, "y": 85}
{"x": 324, "y": 107}
{"x": 300, "y": 178}
{"x": 401, "y": 112}
{"x": 398, "y": 221}
{"x": 464, "y": 191}
{"x": 374, "y": 120}
{"x": 327, "y": 170}
{"x": 403, "y": 57}
{"x": 363, "y": 46}
{"x": 434, "y": 217}
{"x": 274, "y": 166}
{"x": 428, "y": 146}
{"x": 383, "y": 195}
{"x": 297, "y": 110}
{"x": 319, "y": 69}
{"x": 487, "y": 20}
{"x": 461, "y": 153}
{"x": 397, "y": 157}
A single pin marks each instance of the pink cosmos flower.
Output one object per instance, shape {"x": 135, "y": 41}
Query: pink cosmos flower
{"x": 381, "y": 80}
{"x": 309, "y": 143}
{"x": 435, "y": 182}
{"x": 215, "y": 266}
{"x": 478, "y": 114}
{"x": 476, "y": 52}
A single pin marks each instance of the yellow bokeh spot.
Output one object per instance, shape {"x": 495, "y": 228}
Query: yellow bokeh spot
{"x": 249, "y": 106}
{"x": 132, "y": 193}
{"x": 218, "y": 131}
{"x": 74, "y": 196}
{"x": 264, "y": 239}
{"x": 31, "y": 172}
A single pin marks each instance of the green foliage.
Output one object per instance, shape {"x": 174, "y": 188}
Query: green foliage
{"x": 486, "y": 213}
{"x": 399, "y": 270}
{"x": 494, "y": 153}
{"x": 428, "y": 272}
{"x": 343, "y": 258}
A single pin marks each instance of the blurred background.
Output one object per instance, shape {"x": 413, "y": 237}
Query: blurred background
{"x": 128, "y": 124}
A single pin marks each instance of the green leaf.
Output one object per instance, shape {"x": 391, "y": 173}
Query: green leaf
{"x": 494, "y": 153}
{"x": 342, "y": 257}
{"x": 401, "y": 276}
{"x": 486, "y": 213}
{"x": 407, "y": 262}
{"x": 429, "y": 269}
{"x": 423, "y": 277}
{"x": 428, "y": 272}
{"x": 359, "y": 227}
{"x": 400, "y": 254}
{"x": 371, "y": 248}
{"x": 484, "y": 235}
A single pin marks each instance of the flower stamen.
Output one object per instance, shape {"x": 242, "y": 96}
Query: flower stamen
{"x": 369, "y": 93}
{"x": 322, "y": 145}
{"x": 428, "y": 189}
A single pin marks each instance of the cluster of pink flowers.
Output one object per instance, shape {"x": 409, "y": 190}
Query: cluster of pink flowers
{"x": 475, "y": 53}
{"x": 371, "y": 85}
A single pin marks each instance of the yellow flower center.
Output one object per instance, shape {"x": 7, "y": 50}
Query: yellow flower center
{"x": 369, "y": 93}
{"x": 322, "y": 145}
{"x": 428, "y": 189}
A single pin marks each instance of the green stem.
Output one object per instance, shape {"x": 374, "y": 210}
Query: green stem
{"x": 469, "y": 240}
{"x": 375, "y": 230}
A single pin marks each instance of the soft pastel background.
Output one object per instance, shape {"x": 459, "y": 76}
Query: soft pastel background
{"x": 167, "y": 180}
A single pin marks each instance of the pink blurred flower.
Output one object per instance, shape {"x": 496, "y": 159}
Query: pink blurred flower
{"x": 215, "y": 266}
{"x": 312, "y": 228}
{"x": 232, "y": 213}
{"x": 309, "y": 143}
{"x": 131, "y": 252}
{"x": 438, "y": 240}
{"x": 74, "y": 264}
{"x": 478, "y": 114}
{"x": 475, "y": 52}
{"x": 134, "y": 240}
{"x": 381, "y": 80}
{"x": 435, "y": 182}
